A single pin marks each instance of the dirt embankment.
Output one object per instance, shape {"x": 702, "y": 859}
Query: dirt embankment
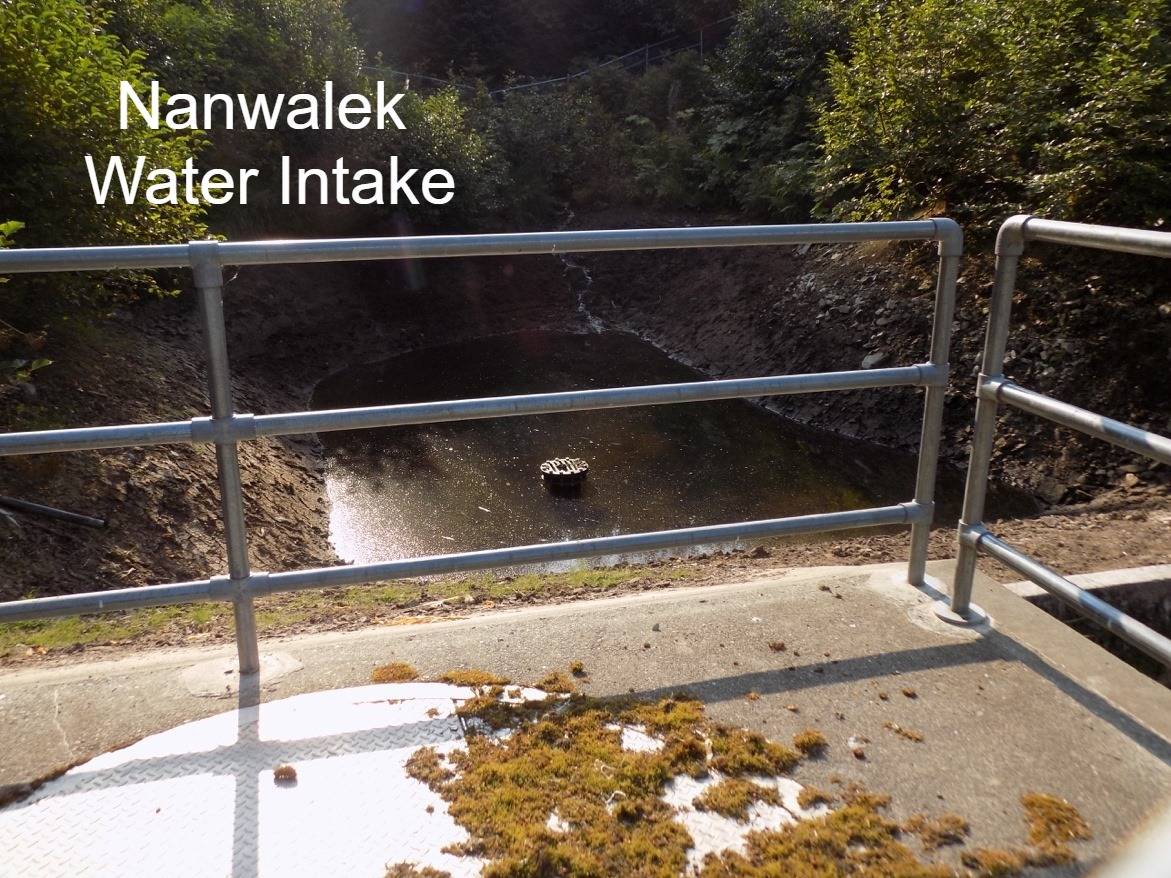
{"x": 729, "y": 313}
{"x": 775, "y": 310}
{"x": 288, "y": 327}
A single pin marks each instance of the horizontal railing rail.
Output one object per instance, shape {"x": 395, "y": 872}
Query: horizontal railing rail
{"x": 225, "y": 428}
{"x": 993, "y": 389}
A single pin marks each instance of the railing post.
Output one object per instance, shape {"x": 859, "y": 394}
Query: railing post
{"x": 950, "y": 251}
{"x": 1009, "y": 246}
{"x": 209, "y": 282}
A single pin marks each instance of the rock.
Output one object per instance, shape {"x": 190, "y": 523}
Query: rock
{"x": 873, "y": 359}
{"x": 1130, "y": 480}
{"x": 760, "y": 552}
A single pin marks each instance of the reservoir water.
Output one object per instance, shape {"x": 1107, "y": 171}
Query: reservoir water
{"x": 438, "y": 488}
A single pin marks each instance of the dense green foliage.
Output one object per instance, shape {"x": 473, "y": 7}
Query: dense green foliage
{"x": 59, "y": 81}
{"x": 851, "y": 109}
{"x": 769, "y": 81}
{"x": 252, "y": 47}
{"x": 981, "y": 108}
{"x": 532, "y": 37}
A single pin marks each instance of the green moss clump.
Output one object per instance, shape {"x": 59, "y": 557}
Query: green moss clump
{"x": 426, "y": 765}
{"x": 496, "y": 714}
{"x": 410, "y": 870}
{"x": 737, "y": 752}
{"x": 733, "y": 796}
{"x": 854, "y": 840}
{"x": 556, "y": 683}
{"x": 565, "y": 757}
{"x": 994, "y": 863}
{"x": 935, "y": 832}
{"x": 395, "y": 672}
{"x": 810, "y": 742}
{"x": 1053, "y": 823}
{"x": 571, "y": 762}
{"x": 811, "y": 796}
{"x": 473, "y": 677}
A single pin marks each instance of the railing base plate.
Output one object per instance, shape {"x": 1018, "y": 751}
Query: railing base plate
{"x": 974, "y": 616}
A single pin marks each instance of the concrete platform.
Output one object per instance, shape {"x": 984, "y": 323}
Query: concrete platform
{"x": 1021, "y": 705}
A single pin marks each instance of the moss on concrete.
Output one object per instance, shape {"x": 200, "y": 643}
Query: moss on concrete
{"x": 1053, "y": 823}
{"x": 936, "y": 832}
{"x": 395, "y": 672}
{"x": 733, "y": 796}
{"x": 473, "y": 677}
{"x": 855, "y": 840}
{"x": 810, "y": 742}
{"x": 410, "y": 870}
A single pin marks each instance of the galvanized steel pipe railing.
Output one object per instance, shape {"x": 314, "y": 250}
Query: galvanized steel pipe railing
{"x": 225, "y": 428}
{"x": 993, "y": 389}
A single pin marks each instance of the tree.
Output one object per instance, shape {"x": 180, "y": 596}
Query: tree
{"x": 982, "y": 108}
{"x": 59, "y": 86}
{"x": 769, "y": 79}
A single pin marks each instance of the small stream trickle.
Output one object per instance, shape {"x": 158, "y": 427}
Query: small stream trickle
{"x": 580, "y": 282}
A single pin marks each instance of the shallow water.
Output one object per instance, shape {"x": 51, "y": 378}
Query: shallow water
{"x": 410, "y": 491}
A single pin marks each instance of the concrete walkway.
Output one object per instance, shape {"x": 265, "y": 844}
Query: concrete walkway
{"x": 1024, "y": 704}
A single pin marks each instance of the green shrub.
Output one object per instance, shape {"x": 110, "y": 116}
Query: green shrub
{"x": 981, "y": 108}
{"x": 59, "y": 86}
{"x": 768, "y": 80}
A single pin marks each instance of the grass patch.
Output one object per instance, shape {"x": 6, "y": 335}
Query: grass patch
{"x": 51, "y": 634}
{"x": 279, "y": 613}
{"x": 733, "y": 796}
{"x": 395, "y": 672}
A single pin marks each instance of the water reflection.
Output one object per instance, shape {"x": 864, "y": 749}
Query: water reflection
{"x": 438, "y": 488}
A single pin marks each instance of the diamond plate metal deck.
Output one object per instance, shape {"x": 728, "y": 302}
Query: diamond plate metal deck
{"x": 199, "y": 800}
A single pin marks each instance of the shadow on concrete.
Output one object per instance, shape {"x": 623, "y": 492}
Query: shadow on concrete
{"x": 990, "y": 645}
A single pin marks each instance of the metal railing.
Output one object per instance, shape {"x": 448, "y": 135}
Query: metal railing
{"x": 993, "y": 388}
{"x": 226, "y": 429}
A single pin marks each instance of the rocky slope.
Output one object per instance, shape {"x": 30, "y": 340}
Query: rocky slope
{"x": 790, "y": 310}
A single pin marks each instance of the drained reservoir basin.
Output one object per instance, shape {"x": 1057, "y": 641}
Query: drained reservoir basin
{"x": 438, "y": 488}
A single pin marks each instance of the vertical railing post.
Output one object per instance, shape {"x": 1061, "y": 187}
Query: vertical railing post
{"x": 1009, "y": 246}
{"x": 951, "y": 246}
{"x": 209, "y": 283}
